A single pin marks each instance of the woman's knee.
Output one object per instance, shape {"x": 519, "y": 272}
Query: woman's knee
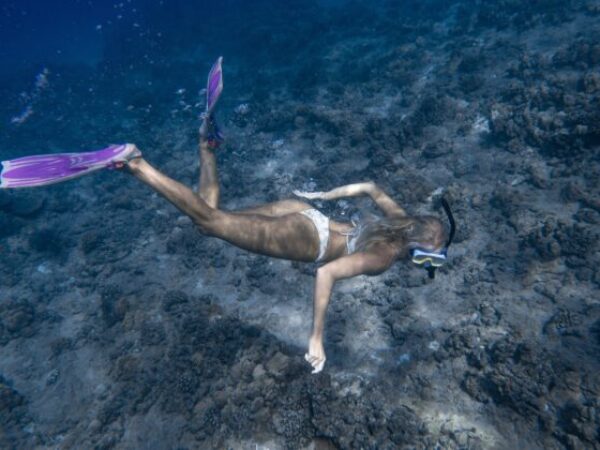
{"x": 206, "y": 219}
{"x": 210, "y": 195}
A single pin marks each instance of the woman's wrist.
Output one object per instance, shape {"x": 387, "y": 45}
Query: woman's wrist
{"x": 316, "y": 336}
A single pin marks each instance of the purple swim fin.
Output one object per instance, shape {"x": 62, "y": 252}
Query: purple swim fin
{"x": 40, "y": 170}
{"x": 214, "y": 85}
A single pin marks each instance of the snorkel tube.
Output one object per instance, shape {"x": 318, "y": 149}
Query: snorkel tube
{"x": 430, "y": 267}
{"x": 448, "y": 212}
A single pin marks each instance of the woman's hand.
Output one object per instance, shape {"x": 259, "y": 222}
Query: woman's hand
{"x": 316, "y": 354}
{"x": 309, "y": 195}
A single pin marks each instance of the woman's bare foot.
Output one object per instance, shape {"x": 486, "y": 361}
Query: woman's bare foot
{"x": 131, "y": 158}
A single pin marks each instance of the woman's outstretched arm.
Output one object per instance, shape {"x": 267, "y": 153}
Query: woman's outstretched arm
{"x": 381, "y": 199}
{"x": 366, "y": 263}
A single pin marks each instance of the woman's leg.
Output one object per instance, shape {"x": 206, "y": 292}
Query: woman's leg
{"x": 209, "y": 189}
{"x": 209, "y": 180}
{"x": 292, "y": 236}
{"x": 178, "y": 194}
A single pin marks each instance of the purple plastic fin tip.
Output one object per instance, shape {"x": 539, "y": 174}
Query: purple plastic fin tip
{"x": 214, "y": 86}
{"x": 40, "y": 170}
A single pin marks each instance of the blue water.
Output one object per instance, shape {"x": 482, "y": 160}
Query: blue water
{"x": 121, "y": 326}
{"x": 115, "y": 55}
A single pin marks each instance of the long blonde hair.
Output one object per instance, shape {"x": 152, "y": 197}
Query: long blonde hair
{"x": 408, "y": 231}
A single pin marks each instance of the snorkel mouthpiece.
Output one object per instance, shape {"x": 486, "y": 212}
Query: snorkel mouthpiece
{"x": 430, "y": 271}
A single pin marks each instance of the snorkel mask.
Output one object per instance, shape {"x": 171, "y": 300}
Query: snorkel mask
{"x": 430, "y": 261}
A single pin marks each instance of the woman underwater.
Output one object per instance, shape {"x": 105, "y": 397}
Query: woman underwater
{"x": 292, "y": 229}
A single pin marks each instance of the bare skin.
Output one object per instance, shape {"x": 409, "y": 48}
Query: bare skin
{"x": 279, "y": 230}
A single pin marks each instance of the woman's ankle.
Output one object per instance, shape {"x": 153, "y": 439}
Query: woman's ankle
{"x": 134, "y": 164}
{"x": 204, "y": 146}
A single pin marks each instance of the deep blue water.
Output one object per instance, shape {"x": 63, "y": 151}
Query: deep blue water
{"x": 37, "y": 33}
{"x": 104, "y": 57}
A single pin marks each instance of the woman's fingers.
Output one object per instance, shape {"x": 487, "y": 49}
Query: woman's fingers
{"x": 316, "y": 362}
{"x": 318, "y": 366}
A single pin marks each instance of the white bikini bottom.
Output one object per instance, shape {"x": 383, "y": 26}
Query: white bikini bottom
{"x": 321, "y": 222}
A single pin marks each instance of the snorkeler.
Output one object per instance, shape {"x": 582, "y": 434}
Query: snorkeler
{"x": 292, "y": 229}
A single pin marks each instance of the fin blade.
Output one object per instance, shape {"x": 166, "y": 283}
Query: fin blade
{"x": 214, "y": 85}
{"x": 41, "y": 170}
